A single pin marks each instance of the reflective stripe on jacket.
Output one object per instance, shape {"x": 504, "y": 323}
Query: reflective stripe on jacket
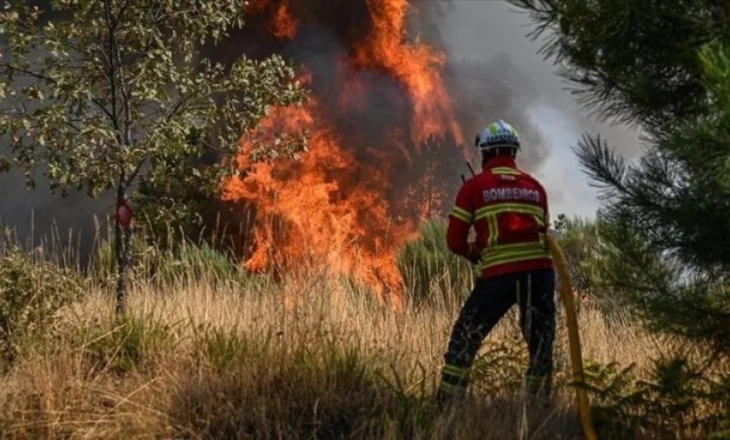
{"x": 508, "y": 210}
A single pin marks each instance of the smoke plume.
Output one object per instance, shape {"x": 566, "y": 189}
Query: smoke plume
{"x": 491, "y": 71}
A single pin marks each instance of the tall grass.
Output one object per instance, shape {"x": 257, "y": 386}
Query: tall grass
{"x": 199, "y": 362}
{"x": 304, "y": 356}
{"x": 430, "y": 271}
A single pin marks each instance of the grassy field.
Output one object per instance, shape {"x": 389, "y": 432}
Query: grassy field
{"x": 300, "y": 359}
{"x": 208, "y": 352}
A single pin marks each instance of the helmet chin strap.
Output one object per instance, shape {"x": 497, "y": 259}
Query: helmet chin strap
{"x": 498, "y": 150}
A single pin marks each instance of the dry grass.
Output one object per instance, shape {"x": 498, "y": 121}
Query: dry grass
{"x": 304, "y": 358}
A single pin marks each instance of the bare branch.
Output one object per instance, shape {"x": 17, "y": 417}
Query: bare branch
{"x": 121, "y": 13}
{"x": 27, "y": 29}
{"x": 112, "y": 70}
{"x": 31, "y": 73}
{"x": 134, "y": 174}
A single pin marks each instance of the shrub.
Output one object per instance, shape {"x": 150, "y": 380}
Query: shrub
{"x": 221, "y": 348}
{"x": 184, "y": 261}
{"x": 324, "y": 391}
{"x": 32, "y": 291}
{"x": 429, "y": 268}
{"x": 672, "y": 399}
{"x": 190, "y": 261}
{"x": 103, "y": 264}
{"x": 125, "y": 344}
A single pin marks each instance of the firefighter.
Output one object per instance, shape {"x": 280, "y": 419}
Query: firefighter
{"x": 508, "y": 209}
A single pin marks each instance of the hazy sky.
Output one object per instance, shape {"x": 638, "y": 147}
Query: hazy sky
{"x": 482, "y": 29}
{"x": 474, "y": 29}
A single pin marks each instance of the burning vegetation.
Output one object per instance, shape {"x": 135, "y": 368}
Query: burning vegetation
{"x": 384, "y": 141}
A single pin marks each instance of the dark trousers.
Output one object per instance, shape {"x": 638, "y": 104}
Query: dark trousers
{"x": 488, "y": 303}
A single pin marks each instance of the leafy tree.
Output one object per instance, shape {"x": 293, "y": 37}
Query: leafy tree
{"x": 176, "y": 204}
{"x": 106, "y": 94}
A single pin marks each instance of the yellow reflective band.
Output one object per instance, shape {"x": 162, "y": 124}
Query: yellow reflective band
{"x": 539, "y": 221}
{"x": 451, "y": 389}
{"x": 513, "y": 257}
{"x": 505, "y": 170}
{"x": 455, "y": 371}
{"x": 538, "y": 252}
{"x": 510, "y": 207}
{"x": 493, "y": 231}
{"x": 513, "y": 247}
{"x": 461, "y": 214}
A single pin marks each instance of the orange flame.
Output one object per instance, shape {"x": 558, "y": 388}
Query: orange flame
{"x": 284, "y": 26}
{"x": 418, "y": 67}
{"x": 335, "y": 204}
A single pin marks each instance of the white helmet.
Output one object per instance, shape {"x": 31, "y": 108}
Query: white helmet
{"x": 497, "y": 135}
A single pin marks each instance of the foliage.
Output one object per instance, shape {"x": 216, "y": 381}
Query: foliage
{"x": 125, "y": 344}
{"x": 592, "y": 261}
{"x": 428, "y": 266}
{"x": 120, "y": 84}
{"x": 166, "y": 265}
{"x": 580, "y": 241}
{"x": 192, "y": 261}
{"x": 666, "y": 218}
{"x": 110, "y": 94}
{"x": 630, "y": 60}
{"x": 499, "y": 368}
{"x": 32, "y": 291}
{"x": 178, "y": 198}
{"x": 663, "y": 64}
{"x": 669, "y": 400}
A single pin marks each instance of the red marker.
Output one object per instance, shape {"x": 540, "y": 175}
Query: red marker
{"x": 124, "y": 214}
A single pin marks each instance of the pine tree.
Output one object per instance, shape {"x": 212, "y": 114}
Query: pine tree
{"x": 664, "y": 65}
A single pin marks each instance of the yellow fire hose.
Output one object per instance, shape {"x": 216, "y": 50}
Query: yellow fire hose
{"x": 576, "y": 358}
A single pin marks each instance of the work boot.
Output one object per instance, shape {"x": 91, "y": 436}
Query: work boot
{"x": 454, "y": 381}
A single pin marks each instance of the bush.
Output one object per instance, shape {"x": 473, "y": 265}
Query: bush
{"x": 429, "y": 268}
{"x": 32, "y": 291}
{"x": 103, "y": 264}
{"x": 674, "y": 398}
{"x": 184, "y": 261}
{"x": 588, "y": 256}
{"x": 192, "y": 261}
{"x": 126, "y": 344}
{"x": 320, "y": 392}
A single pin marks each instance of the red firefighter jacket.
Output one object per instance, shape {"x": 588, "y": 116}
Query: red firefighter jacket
{"x": 509, "y": 212}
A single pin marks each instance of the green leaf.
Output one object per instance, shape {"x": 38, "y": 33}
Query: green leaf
{"x": 92, "y": 121}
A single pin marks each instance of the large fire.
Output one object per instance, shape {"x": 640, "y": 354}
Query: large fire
{"x": 362, "y": 187}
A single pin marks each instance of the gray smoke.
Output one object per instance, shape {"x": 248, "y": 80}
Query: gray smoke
{"x": 494, "y": 72}
{"x": 507, "y": 78}
{"x": 38, "y": 216}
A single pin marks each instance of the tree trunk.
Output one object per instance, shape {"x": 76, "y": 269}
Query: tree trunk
{"x": 123, "y": 246}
